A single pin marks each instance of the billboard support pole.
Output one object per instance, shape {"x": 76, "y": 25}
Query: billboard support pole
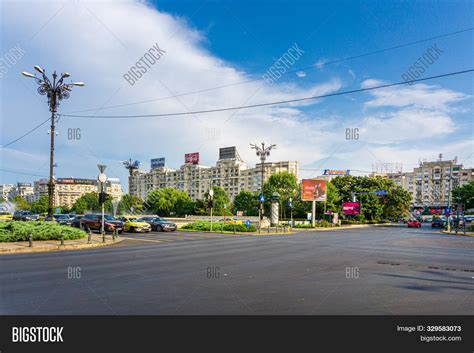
{"x": 313, "y": 214}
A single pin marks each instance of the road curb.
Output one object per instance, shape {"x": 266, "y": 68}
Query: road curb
{"x": 468, "y": 234}
{"x": 38, "y": 247}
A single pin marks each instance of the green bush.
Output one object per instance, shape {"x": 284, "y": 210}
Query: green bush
{"x": 205, "y": 226}
{"x": 320, "y": 224}
{"x": 301, "y": 225}
{"x": 19, "y": 231}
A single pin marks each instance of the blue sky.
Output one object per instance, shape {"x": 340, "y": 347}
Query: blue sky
{"x": 213, "y": 43}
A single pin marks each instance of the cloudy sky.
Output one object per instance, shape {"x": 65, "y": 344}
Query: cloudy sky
{"x": 210, "y": 44}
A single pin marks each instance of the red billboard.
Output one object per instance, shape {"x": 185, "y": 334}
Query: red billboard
{"x": 313, "y": 190}
{"x": 191, "y": 158}
{"x": 351, "y": 207}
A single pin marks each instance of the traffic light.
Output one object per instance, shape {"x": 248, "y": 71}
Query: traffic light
{"x": 102, "y": 197}
{"x": 210, "y": 203}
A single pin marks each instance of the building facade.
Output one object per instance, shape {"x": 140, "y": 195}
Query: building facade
{"x": 230, "y": 172}
{"x": 68, "y": 190}
{"x": 7, "y": 191}
{"x": 431, "y": 183}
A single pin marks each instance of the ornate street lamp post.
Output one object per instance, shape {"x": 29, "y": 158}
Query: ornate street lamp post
{"x": 56, "y": 90}
{"x": 262, "y": 152}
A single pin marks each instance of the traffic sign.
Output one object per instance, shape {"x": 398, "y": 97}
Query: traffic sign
{"x": 57, "y": 211}
{"x": 381, "y": 192}
{"x": 247, "y": 223}
{"x": 262, "y": 198}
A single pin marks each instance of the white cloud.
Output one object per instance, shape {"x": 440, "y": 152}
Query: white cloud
{"x": 406, "y": 125}
{"x": 420, "y": 95}
{"x": 301, "y": 74}
{"x": 320, "y": 63}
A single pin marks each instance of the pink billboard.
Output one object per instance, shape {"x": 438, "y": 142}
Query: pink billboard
{"x": 351, "y": 207}
{"x": 192, "y": 158}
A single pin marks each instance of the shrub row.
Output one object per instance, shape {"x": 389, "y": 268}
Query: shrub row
{"x": 218, "y": 226}
{"x": 19, "y": 231}
{"x": 320, "y": 224}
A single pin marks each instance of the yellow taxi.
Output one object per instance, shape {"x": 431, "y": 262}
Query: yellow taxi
{"x": 135, "y": 224}
{"x": 231, "y": 221}
{"x": 5, "y": 216}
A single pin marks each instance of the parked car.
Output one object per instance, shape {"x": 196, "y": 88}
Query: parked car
{"x": 76, "y": 222}
{"x": 437, "y": 223}
{"x": 5, "y": 216}
{"x": 60, "y": 218}
{"x": 25, "y": 216}
{"x": 93, "y": 221}
{"x": 160, "y": 224}
{"x": 135, "y": 225}
{"x": 468, "y": 219}
{"x": 414, "y": 223}
{"x": 231, "y": 220}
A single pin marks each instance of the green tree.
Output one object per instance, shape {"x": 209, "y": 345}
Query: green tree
{"x": 220, "y": 198}
{"x": 41, "y": 205}
{"x": 21, "y": 203}
{"x": 169, "y": 202}
{"x": 247, "y": 202}
{"x": 374, "y": 207}
{"x": 464, "y": 194}
{"x": 284, "y": 183}
{"x": 89, "y": 202}
{"x": 129, "y": 203}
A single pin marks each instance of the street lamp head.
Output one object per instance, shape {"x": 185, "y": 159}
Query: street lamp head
{"x": 27, "y": 74}
{"x": 80, "y": 83}
{"x": 39, "y": 69}
{"x": 66, "y": 74}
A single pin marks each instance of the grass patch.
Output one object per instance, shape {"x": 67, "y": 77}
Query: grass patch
{"x": 321, "y": 224}
{"x": 205, "y": 226}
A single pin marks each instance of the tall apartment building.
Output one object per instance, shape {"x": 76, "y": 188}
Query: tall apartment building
{"x": 68, "y": 190}
{"x": 430, "y": 184}
{"x": 7, "y": 191}
{"x": 26, "y": 191}
{"x": 230, "y": 172}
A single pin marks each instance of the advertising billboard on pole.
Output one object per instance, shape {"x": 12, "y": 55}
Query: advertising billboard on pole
{"x": 313, "y": 190}
{"x": 351, "y": 207}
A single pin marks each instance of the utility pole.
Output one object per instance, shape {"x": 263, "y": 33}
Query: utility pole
{"x": 102, "y": 178}
{"x": 262, "y": 152}
{"x": 55, "y": 90}
{"x": 211, "y": 202}
{"x": 290, "y": 203}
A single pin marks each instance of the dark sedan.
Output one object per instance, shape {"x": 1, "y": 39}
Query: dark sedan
{"x": 160, "y": 224}
{"x": 25, "y": 216}
{"x": 76, "y": 222}
{"x": 62, "y": 219}
{"x": 437, "y": 223}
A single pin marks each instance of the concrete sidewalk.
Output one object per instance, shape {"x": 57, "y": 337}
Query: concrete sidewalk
{"x": 55, "y": 245}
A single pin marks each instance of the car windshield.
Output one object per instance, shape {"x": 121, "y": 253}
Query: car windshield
{"x": 159, "y": 219}
{"x": 134, "y": 219}
{"x": 109, "y": 218}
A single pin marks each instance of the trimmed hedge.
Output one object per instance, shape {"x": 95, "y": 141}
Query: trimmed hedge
{"x": 218, "y": 226}
{"x": 321, "y": 224}
{"x": 19, "y": 231}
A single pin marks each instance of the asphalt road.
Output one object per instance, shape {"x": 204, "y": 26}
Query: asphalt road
{"x": 382, "y": 270}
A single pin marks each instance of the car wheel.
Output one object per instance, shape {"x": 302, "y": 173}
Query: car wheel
{"x": 159, "y": 228}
